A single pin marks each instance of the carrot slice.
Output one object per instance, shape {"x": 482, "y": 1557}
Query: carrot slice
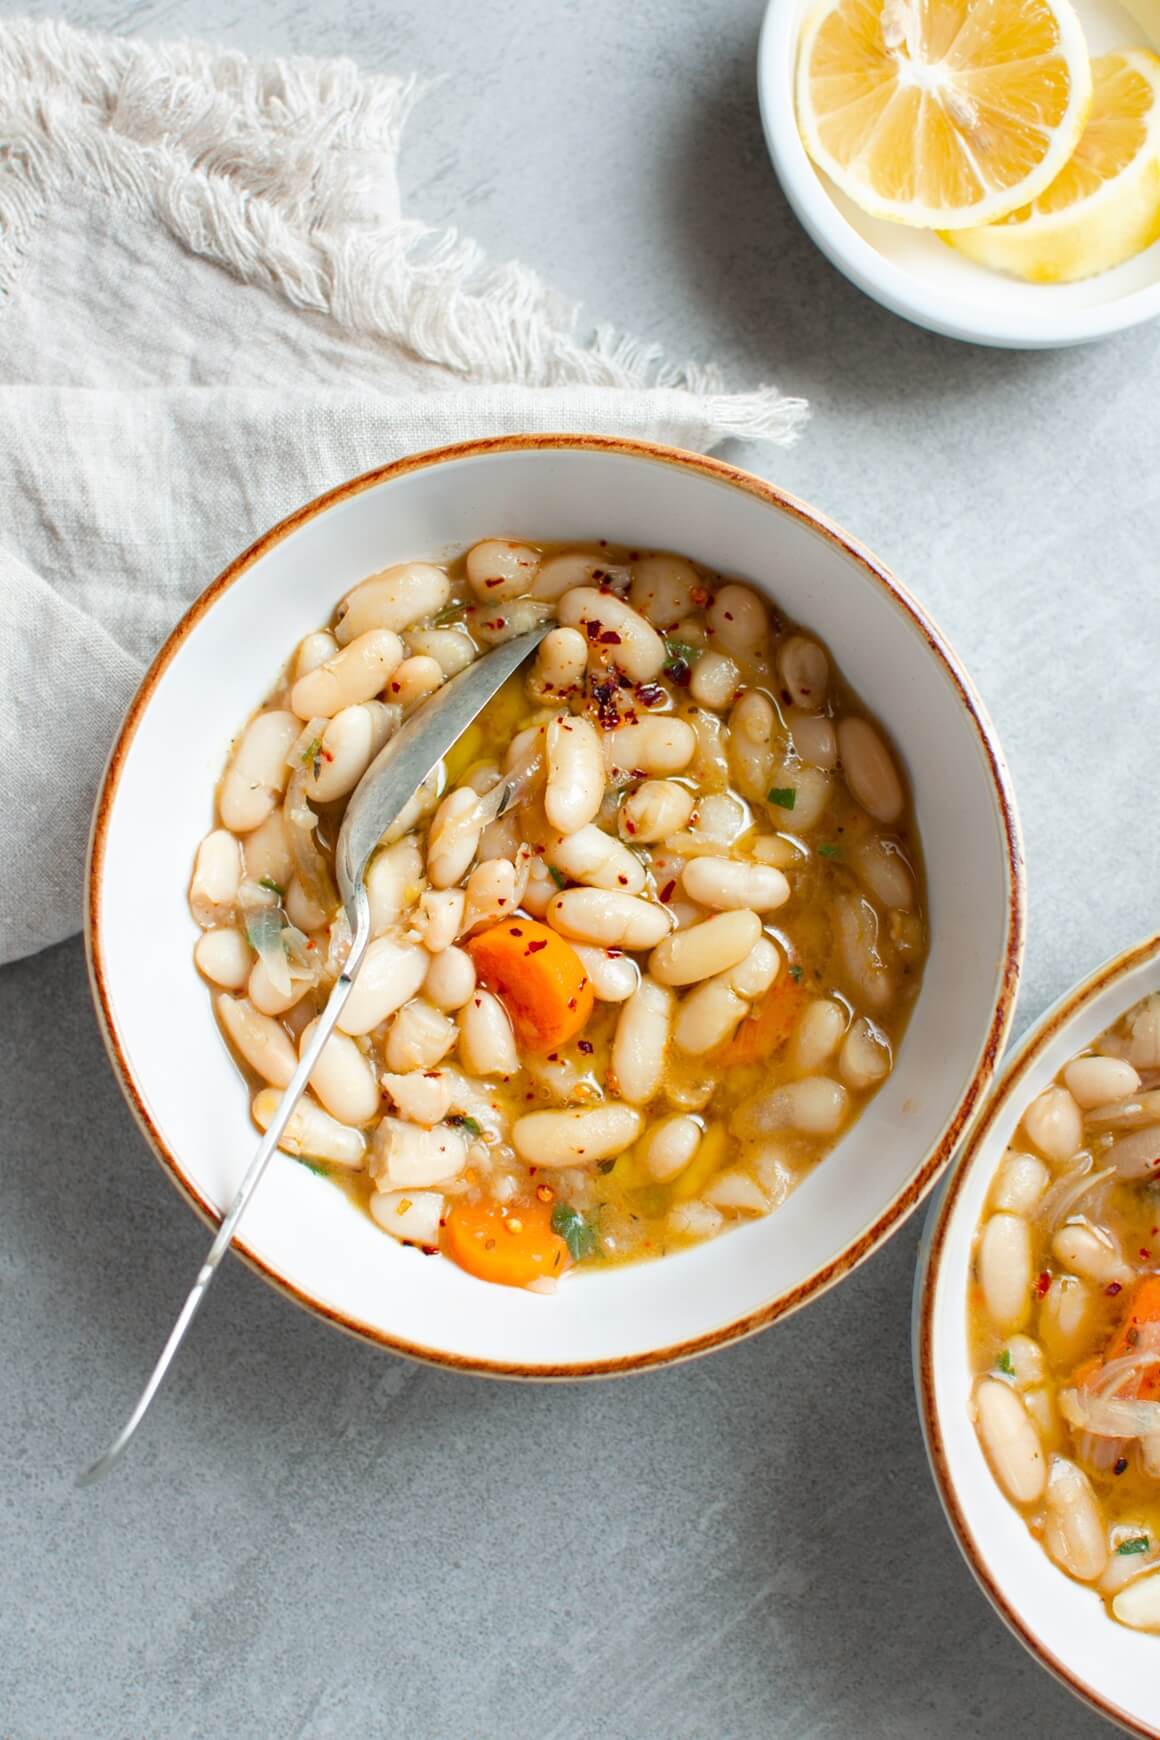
{"x": 768, "y": 1024}
{"x": 512, "y": 1246}
{"x": 539, "y": 978}
{"x": 1142, "y": 1308}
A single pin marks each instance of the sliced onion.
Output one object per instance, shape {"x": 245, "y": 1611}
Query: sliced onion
{"x": 1109, "y": 1416}
{"x": 1061, "y": 1199}
{"x": 264, "y": 930}
{"x": 310, "y": 866}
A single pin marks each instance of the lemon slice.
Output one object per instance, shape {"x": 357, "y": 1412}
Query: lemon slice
{"x": 1104, "y": 206}
{"x": 942, "y": 113}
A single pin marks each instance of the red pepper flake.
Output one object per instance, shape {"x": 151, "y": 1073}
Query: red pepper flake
{"x": 1043, "y": 1283}
{"x": 623, "y": 882}
{"x": 668, "y": 891}
{"x": 584, "y": 1045}
{"x": 1112, "y": 1288}
{"x": 610, "y": 638}
{"x": 498, "y": 581}
{"x": 1145, "y": 1253}
{"x": 629, "y": 825}
{"x": 515, "y": 931}
{"x": 699, "y": 596}
{"x": 650, "y": 694}
{"x": 592, "y": 630}
{"x": 1120, "y": 1465}
{"x": 534, "y": 948}
{"x": 728, "y": 616}
{"x": 571, "y": 1002}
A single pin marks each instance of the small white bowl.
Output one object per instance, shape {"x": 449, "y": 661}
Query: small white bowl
{"x": 1061, "y": 1622}
{"x": 912, "y": 272}
{"x": 156, "y": 804}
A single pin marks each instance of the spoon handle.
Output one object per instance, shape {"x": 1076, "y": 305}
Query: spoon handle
{"x": 295, "y": 1088}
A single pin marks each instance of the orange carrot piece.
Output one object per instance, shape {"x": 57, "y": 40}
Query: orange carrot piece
{"x": 1142, "y": 1308}
{"x": 768, "y": 1024}
{"x": 511, "y": 1246}
{"x": 539, "y": 978}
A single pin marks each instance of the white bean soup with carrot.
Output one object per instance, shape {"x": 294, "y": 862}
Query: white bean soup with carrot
{"x": 1065, "y": 1319}
{"x": 636, "y": 1008}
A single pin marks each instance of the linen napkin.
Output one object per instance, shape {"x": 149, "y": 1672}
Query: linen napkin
{"x": 212, "y": 307}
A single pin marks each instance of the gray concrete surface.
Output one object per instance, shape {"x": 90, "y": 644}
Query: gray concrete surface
{"x": 315, "y": 1541}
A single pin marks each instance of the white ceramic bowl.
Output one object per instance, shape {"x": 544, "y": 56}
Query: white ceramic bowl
{"x": 156, "y": 805}
{"x": 912, "y": 272}
{"x": 1060, "y": 1621}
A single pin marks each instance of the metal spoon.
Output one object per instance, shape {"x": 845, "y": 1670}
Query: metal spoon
{"x": 392, "y": 778}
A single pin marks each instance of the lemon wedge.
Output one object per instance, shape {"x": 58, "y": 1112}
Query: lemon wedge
{"x": 942, "y": 113}
{"x": 1105, "y": 205}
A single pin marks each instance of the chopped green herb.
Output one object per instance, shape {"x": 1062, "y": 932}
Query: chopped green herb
{"x": 605, "y": 1165}
{"x": 827, "y": 851}
{"x": 558, "y": 876}
{"x": 464, "y": 1123}
{"x": 314, "y": 1166}
{"x": 795, "y": 974}
{"x": 274, "y": 887}
{"x": 680, "y": 651}
{"x": 1137, "y": 1544}
{"x": 577, "y": 1233}
{"x": 311, "y": 752}
{"x": 784, "y": 796}
{"x": 1004, "y": 1362}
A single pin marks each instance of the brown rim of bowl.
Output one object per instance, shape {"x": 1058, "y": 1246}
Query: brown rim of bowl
{"x": 962, "y": 1115}
{"x": 1016, "y": 1069}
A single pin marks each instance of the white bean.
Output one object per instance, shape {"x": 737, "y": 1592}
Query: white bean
{"x": 450, "y": 979}
{"x": 880, "y": 867}
{"x": 713, "y": 1009}
{"x": 1139, "y": 1604}
{"x": 405, "y": 1155}
{"x": 575, "y": 782}
{"x": 611, "y": 919}
{"x": 357, "y": 673}
{"x": 750, "y": 747}
{"x": 775, "y": 849}
{"x": 856, "y": 932}
{"x": 660, "y": 745}
{"x": 1133, "y": 1113}
{"x": 497, "y": 568}
{"x": 453, "y": 836}
{"x": 257, "y": 773}
{"x": 390, "y": 974}
{"x": 615, "y": 976}
{"x": 451, "y": 648}
{"x": 1143, "y": 1046}
{"x": 500, "y": 839}
{"x": 1091, "y": 1252}
{"x": 666, "y": 1148}
{"x": 1074, "y": 1534}
{"x": 224, "y": 957}
{"x": 264, "y": 1045}
{"x": 495, "y": 623}
{"x": 813, "y": 737}
{"x": 561, "y": 660}
{"x": 487, "y": 1046}
{"x": 739, "y": 622}
{"x": 313, "y": 651}
{"x": 804, "y": 671}
{"x": 642, "y": 1037}
{"x": 267, "y": 852}
{"x": 711, "y": 947}
{"x": 1010, "y": 1442}
{"x": 342, "y": 1078}
{"x": 559, "y": 574}
{"x": 869, "y": 770}
{"x": 657, "y": 808}
{"x": 819, "y": 1032}
{"x": 1067, "y": 1315}
{"x": 266, "y": 996}
{"x": 809, "y": 789}
{"x": 422, "y": 1096}
{"x": 411, "y": 1216}
{"x": 393, "y": 880}
{"x": 441, "y": 917}
{"x": 737, "y": 1192}
{"x": 413, "y": 680}
{"x": 1098, "y": 1081}
{"x": 311, "y": 1131}
{"x": 349, "y": 744}
{"x": 726, "y": 884}
{"x": 815, "y": 1106}
{"x": 1025, "y": 1357}
{"x": 1137, "y": 1155}
{"x": 598, "y": 859}
{"x": 616, "y": 633}
{"x": 714, "y": 681}
{"x": 303, "y": 912}
{"x": 1019, "y": 1183}
{"x": 1053, "y": 1124}
{"x": 420, "y": 1037}
{"x": 865, "y": 1057}
{"x": 576, "y": 1138}
{"x": 541, "y": 888}
{"x": 217, "y": 873}
{"x": 662, "y": 589}
{"x": 695, "y": 1220}
{"x": 1005, "y": 1271}
{"x": 394, "y": 598}
{"x": 494, "y": 890}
